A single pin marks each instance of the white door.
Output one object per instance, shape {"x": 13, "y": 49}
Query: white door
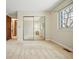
{"x": 28, "y": 28}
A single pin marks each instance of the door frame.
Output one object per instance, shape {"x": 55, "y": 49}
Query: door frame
{"x": 33, "y": 27}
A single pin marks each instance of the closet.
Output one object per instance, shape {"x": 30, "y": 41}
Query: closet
{"x": 34, "y": 28}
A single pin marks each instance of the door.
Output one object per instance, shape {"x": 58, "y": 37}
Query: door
{"x": 39, "y": 28}
{"x": 8, "y": 27}
{"x": 34, "y": 28}
{"x": 28, "y": 28}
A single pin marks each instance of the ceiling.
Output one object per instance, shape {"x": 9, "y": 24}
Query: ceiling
{"x": 30, "y": 5}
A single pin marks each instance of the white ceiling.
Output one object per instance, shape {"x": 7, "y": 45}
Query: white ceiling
{"x": 30, "y": 5}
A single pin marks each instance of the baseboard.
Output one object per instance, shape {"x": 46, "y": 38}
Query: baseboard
{"x": 64, "y": 46}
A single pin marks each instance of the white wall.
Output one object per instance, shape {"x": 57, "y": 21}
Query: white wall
{"x": 63, "y": 37}
{"x": 20, "y": 15}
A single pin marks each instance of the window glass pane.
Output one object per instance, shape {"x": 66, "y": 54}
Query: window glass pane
{"x": 66, "y": 17}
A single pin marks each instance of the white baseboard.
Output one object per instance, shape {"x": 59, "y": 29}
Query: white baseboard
{"x": 64, "y": 46}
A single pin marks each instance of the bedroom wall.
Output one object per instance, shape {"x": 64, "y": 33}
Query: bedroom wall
{"x": 20, "y": 15}
{"x": 63, "y": 37}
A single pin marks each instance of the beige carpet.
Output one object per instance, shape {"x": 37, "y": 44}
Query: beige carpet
{"x": 35, "y": 50}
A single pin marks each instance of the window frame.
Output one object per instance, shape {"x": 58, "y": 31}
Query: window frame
{"x": 59, "y": 17}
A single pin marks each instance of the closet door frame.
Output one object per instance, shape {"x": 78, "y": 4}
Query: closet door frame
{"x": 33, "y": 26}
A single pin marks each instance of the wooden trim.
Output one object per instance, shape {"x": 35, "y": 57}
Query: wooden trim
{"x": 8, "y": 27}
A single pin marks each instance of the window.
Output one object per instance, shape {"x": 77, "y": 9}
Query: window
{"x": 66, "y": 17}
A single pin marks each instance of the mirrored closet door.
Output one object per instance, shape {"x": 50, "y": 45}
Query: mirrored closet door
{"x": 34, "y": 28}
{"x": 39, "y": 28}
